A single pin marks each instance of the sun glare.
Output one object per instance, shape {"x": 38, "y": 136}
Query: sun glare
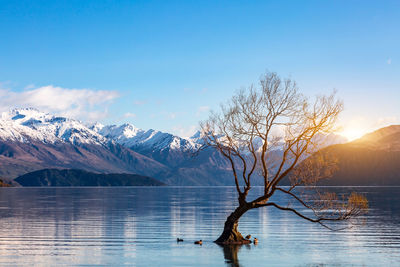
{"x": 352, "y": 133}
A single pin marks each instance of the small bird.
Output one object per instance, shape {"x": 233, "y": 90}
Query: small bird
{"x": 255, "y": 241}
{"x": 199, "y": 242}
{"x": 248, "y": 236}
{"x": 179, "y": 240}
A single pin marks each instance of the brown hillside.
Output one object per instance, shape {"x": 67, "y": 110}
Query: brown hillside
{"x": 373, "y": 160}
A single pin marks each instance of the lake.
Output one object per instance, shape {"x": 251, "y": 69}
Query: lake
{"x": 138, "y": 226}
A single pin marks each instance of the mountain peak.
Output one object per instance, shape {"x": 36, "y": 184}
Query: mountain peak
{"x": 96, "y": 126}
{"x": 119, "y": 132}
{"x": 21, "y": 113}
{"x": 24, "y": 124}
{"x": 196, "y": 135}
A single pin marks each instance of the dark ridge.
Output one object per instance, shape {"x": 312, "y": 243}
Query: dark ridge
{"x": 18, "y": 158}
{"x": 75, "y": 177}
{"x": 363, "y": 166}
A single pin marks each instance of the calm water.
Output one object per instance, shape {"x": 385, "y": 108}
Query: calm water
{"x": 138, "y": 226}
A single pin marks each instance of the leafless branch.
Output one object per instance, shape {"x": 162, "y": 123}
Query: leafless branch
{"x": 272, "y": 130}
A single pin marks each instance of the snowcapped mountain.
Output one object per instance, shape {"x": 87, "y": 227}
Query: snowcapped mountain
{"x": 29, "y": 124}
{"x": 130, "y": 136}
{"x": 31, "y": 140}
{"x": 163, "y": 147}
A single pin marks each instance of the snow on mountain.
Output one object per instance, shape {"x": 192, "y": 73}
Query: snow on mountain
{"x": 27, "y": 124}
{"x": 30, "y": 124}
{"x": 168, "y": 149}
{"x": 196, "y": 136}
{"x": 130, "y": 136}
{"x": 31, "y": 140}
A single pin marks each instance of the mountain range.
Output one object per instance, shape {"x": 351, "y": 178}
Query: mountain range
{"x": 31, "y": 140}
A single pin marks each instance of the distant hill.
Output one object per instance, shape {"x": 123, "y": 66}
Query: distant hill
{"x": 74, "y": 177}
{"x": 373, "y": 160}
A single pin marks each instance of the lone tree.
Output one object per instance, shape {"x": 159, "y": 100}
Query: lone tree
{"x": 268, "y": 131}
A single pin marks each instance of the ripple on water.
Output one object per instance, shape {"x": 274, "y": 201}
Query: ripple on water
{"x": 139, "y": 226}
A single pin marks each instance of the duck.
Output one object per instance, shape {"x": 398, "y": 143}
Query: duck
{"x": 248, "y": 236}
{"x": 179, "y": 240}
{"x": 199, "y": 242}
{"x": 255, "y": 241}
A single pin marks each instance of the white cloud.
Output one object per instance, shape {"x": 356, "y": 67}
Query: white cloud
{"x": 139, "y": 103}
{"x": 84, "y": 104}
{"x": 204, "y": 90}
{"x": 171, "y": 115}
{"x": 202, "y": 109}
{"x": 389, "y": 61}
{"x": 129, "y": 115}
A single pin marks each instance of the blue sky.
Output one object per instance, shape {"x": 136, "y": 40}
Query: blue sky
{"x": 164, "y": 64}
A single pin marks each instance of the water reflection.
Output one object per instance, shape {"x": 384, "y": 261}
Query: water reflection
{"x": 139, "y": 226}
{"x": 231, "y": 254}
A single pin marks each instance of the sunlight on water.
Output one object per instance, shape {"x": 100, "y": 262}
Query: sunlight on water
{"x": 139, "y": 225}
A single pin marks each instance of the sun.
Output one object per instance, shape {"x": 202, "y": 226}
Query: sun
{"x": 352, "y": 133}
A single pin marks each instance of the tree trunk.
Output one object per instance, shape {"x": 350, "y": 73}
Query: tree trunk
{"x": 231, "y": 235}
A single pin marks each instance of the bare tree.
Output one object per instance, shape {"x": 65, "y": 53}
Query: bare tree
{"x": 266, "y": 131}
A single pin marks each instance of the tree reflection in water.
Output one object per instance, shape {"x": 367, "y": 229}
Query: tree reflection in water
{"x": 231, "y": 254}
